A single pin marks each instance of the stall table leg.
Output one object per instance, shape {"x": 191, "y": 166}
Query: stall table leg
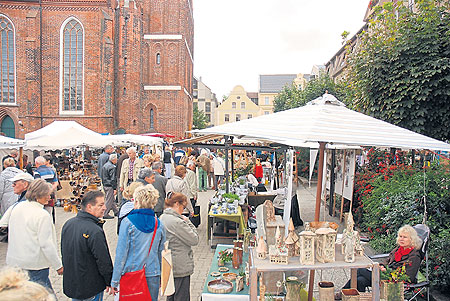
{"x": 376, "y": 281}
{"x": 253, "y": 284}
{"x": 354, "y": 278}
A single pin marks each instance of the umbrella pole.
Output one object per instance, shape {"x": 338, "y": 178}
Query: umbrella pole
{"x": 317, "y": 212}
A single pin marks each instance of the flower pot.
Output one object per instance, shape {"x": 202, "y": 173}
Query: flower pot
{"x": 392, "y": 290}
{"x": 220, "y": 263}
{"x": 326, "y": 291}
{"x": 351, "y": 294}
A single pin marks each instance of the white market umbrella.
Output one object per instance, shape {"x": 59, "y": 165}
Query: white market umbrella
{"x": 325, "y": 119}
{"x": 137, "y": 139}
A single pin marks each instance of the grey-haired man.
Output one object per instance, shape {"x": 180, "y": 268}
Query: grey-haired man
{"x": 109, "y": 181}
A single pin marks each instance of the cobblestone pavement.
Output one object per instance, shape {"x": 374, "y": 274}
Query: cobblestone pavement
{"x": 202, "y": 253}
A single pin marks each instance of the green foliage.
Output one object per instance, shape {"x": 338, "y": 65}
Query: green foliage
{"x": 400, "y": 70}
{"x": 389, "y": 195}
{"x": 397, "y": 275}
{"x": 199, "y": 119}
{"x": 293, "y": 97}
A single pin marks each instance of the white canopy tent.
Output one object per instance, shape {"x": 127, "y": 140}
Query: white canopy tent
{"x": 64, "y": 134}
{"x": 10, "y": 143}
{"x": 137, "y": 139}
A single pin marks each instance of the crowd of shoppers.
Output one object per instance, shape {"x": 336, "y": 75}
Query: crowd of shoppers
{"x": 150, "y": 195}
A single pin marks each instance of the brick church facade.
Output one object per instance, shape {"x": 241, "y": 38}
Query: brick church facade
{"x": 112, "y": 65}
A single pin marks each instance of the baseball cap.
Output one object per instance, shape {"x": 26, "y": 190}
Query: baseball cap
{"x": 22, "y": 176}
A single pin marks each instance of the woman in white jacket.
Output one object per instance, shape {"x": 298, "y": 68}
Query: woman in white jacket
{"x": 32, "y": 236}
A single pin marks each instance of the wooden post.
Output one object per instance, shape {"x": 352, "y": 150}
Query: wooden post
{"x": 342, "y": 190}
{"x": 319, "y": 181}
{"x": 317, "y": 211}
{"x": 376, "y": 282}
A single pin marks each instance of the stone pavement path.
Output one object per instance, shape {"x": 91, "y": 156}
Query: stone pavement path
{"x": 202, "y": 253}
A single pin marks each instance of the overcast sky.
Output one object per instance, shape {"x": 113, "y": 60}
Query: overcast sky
{"x": 237, "y": 40}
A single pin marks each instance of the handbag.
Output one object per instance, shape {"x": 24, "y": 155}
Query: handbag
{"x": 195, "y": 219}
{"x": 133, "y": 285}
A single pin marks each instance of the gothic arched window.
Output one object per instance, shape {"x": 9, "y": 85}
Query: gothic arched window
{"x": 152, "y": 119}
{"x": 7, "y": 63}
{"x": 72, "y": 66}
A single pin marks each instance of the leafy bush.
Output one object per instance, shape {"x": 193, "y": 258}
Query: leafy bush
{"x": 388, "y": 196}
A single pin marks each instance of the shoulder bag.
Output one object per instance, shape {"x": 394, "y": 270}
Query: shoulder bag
{"x": 133, "y": 285}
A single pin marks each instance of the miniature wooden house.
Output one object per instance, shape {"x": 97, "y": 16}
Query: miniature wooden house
{"x": 307, "y": 239}
{"x": 261, "y": 249}
{"x": 325, "y": 245}
{"x": 292, "y": 241}
{"x": 279, "y": 256}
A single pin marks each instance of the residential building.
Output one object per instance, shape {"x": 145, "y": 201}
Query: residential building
{"x": 112, "y": 65}
{"x": 336, "y": 66}
{"x": 236, "y": 107}
{"x": 270, "y": 85}
{"x": 253, "y": 97}
{"x": 205, "y": 100}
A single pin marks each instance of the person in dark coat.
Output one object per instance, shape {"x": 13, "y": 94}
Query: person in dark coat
{"x": 160, "y": 185}
{"x": 103, "y": 158}
{"x": 85, "y": 254}
{"x": 109, "y": 182}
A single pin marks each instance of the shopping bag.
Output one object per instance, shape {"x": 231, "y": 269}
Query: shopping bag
{"x": 195, "y": 219}
{"x": 133, "y": 286}
{"x": 167, "y": 281}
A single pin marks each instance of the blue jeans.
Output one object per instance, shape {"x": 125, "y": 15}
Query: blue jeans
{"x": 41, "y": 277}
{"x": 98, "y": 297}
{"x": 153, "y": 286}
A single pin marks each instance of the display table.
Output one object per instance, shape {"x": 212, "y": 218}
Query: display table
{"x": 238, "y": 218}
{"x": 260, "y": 198}
{"x": 260, "y": 265}
{"x": 242, "y": 295}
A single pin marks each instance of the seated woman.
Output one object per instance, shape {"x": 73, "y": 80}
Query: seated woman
{"x": 406, "y": 253}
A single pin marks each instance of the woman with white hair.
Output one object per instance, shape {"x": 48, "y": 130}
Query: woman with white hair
{"x": 406, "y": 253}
{"x": 7, "y": 196}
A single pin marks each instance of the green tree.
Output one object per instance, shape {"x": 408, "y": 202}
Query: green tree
{"x": 199, "y": 119}
{"x": 400, "y": 70}
{"x": 293, "y": 97}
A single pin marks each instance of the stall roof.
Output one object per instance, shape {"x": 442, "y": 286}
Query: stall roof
{"x": 64, "y": 134}
{"x": 326, "y": 119}
{"x": 138, "y": 139}
{"x": 7, "y": 142}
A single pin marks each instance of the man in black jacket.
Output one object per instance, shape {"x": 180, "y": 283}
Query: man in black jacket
{"x": 109, "y": 181}
{"x": 85, "y": 255}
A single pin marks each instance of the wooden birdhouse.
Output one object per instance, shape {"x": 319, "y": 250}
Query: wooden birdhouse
{"x": 307, "y": 254}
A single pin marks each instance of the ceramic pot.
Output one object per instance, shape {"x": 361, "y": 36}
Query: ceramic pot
{"x": 392, "y": 290}
{"x": 326, "y": 291}
{"x": 235, "y": 259}
{"x": 220, "y": 263}
{"x": 240, "y": 255}
{"x": 293, "y": 288}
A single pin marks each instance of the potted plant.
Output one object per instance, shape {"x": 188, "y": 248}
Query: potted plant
{"x": 224, "y": 257}
{"x": 392, "y": 287}
{"x": 242, "y": 183}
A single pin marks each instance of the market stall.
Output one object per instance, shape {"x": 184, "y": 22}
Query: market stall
{"x": 324, "y": 121}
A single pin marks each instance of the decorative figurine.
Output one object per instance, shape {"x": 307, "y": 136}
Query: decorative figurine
{"x": 261, "y": 249}
{"x": 292, "y": 241}
{"x": 307, "y": 246}
{"x": 270, "y": 211}
{"x": 351, "y": 244}
{"x": 262, "y": 289}
{"x": 278, "y": 253}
